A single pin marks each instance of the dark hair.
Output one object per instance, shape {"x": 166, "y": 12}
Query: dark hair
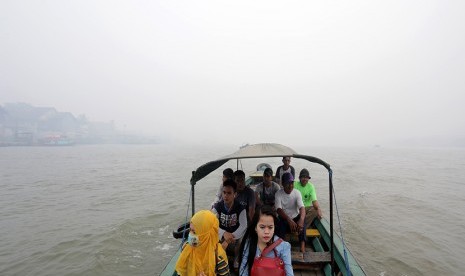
{"x": 251, "y": 235}
{"x": 268, "y": 171}
{"x": 229, "y": 173}
{"x": 230, "y": 183}
{"x": 239, "y": 173}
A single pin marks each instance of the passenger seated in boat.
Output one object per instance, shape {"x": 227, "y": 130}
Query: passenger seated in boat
{"x": 199, "y": 252}
{"x": 245, "y": 195}
{"x": 266, "y": 190}
{"x": 232, "y": 219}
{"x": 286, "y": 167}
{"x": 260, "y": 235}
{"x": 228, "y": 173}
{"x": 291, "y": 210}
{"x": 307, "y": 190}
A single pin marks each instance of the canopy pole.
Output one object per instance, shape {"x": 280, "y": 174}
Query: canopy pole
{"x": 331, "y": 218}
{"x": 193, "y": 193}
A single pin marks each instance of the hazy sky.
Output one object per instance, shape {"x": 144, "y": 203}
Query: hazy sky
{"x": 292, "y": 72}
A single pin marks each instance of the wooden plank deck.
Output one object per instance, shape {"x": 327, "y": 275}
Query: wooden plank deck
{"x": 299, "y": 272}
{"x": 310, "y": 262}
{"x": 310, "y": 257}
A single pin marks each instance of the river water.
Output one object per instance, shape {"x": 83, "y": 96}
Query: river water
{"x": 110, "y": 209}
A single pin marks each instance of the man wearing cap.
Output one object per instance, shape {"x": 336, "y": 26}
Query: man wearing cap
{"x": 291, "y": 210}
{"x": 286, "y": 167}
{"x": 266, "y": 190}
{"x": 307, "y": 190}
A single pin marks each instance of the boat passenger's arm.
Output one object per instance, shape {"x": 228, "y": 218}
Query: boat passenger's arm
{"x": 228, "y": 237}
{"x": 243, "y": 270}
{"x": 286, "y": 257}
{"x": 283, "y": 214}
{"x": 258, "y": 202}
{"x": 301, "y": 206}
{"x": 301, "y": 218}
{"x": 220, "y": 231}
{"x": 277, "y": 178}
{"x": 251, "y": 206}
{"x": 279, "y": 207}
{"x": 239, "y": 233}
{"x": 214, "y": 211}
{"x": 316, "y": 205}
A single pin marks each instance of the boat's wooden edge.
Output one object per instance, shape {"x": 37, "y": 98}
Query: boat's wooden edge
{"x": 169, "y": 269}
{"x": 324, "y": 229}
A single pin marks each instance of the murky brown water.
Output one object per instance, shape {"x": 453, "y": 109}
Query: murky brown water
{"x": 110, "y": 210}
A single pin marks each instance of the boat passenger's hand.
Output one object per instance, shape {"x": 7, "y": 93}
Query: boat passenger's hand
{"x": 228, "y": 237}
{"x": 301, "y": 224}
{"x": 292, "y": 225}
{"x": 202, "y": 273}
{"x": 224, "y": 245}
{"x": 320, "y": 214}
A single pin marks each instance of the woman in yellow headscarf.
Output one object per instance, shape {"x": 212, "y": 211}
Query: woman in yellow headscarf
{"x": 202, "y": 255}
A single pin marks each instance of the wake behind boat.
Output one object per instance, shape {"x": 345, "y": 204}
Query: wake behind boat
{"x": 325, "y": 254}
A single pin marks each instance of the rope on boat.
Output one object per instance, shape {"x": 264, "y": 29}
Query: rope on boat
{"x": 185, "y": 223}
{"x": 342, "y": 236}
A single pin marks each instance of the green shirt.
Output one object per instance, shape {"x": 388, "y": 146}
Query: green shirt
{"x": 308, "y": 192}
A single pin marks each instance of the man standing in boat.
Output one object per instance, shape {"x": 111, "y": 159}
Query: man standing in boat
{"x": 307, "y": 190}
{"x": 285, "y": 168}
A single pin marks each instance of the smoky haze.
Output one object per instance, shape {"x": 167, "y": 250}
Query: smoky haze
{"x": 293, "y": 72}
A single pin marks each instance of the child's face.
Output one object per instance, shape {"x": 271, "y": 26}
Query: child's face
{"x": 265, "y": 228}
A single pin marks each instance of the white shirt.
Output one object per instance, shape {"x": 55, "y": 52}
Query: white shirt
{"x": 290, "y": 203}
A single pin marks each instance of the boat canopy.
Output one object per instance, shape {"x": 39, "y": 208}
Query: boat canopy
{"x": 253, "y": 151}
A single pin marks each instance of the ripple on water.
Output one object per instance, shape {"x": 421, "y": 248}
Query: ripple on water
{"x": 113, "y": 214}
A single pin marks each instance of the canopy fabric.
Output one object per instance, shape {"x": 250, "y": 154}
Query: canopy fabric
{"x": 253, "y": 151}
{"x": 261, "y": 150}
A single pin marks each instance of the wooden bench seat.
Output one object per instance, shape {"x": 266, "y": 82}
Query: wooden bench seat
{"x": 310, "y": 257}
{"x": 312, "y": 233}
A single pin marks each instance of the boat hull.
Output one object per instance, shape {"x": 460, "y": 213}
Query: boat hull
{"x": 316, "y": 244}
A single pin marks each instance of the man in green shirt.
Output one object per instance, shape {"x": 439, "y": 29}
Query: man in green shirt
{"x": 307, "y": 190}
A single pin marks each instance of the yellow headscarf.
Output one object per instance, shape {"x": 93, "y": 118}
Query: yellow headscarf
{"x": 201, "y": 258}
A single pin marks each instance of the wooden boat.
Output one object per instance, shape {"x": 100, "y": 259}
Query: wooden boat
{"x": 326, "y": 252}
